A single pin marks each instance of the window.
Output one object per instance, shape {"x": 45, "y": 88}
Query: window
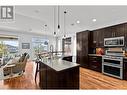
{"x": 40, "y": 45}
{"x": 9, "y": 47}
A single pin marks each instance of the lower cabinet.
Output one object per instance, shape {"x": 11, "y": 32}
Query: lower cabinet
{"x": 95, "y": 63}
{"x": 125, "y": 69}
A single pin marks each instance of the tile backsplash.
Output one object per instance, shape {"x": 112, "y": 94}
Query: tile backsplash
{"x": 100, "y": 51}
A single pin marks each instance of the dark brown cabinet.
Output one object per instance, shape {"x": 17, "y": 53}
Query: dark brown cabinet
{"x": 52, "y": 79}
{"x": 117, "y": 30}
{"x": 100, "y": 38}
{"x": 125, "y": 34}
{"x": 88, "y": 41}
{"x": 95, "y": 63}
{"x": 82, "y": 48}
{"x": 94, "y": 35}
{"x": 108, "y": 33}
{"x": 114, "y": 31}
{"x": 125, "y": 69}
{"x": 97, "y": 37}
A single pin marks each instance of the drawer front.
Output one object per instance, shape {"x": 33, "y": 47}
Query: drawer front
{"x": 95, "y": 58}
{"x": 95, "y": 65}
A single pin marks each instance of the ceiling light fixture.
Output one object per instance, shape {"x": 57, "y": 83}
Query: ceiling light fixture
{"x": 46, "y": 25}
{"x": 64, "y": 24}
{"x": 94, "y": 20}
{"x": 54, "y": 21}
{"x": 36, "y": 11}
{"x": 30, "y": 29}
{"x": 58, "y": 19}
{"x": 78, "y": 21}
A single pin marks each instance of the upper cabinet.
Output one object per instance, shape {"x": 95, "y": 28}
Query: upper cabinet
{"x": 101, "y": 38}
{"x": 94, "y": 37}
{"x": 117, "y": 30}
{"x": 125, "y": 33}
{"x": 98, "y": 35}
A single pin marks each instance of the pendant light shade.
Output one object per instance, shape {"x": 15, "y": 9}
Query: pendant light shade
{"x": 58, "y": 19}
{"x": 54, "y": 21}
{"x": 64, "y": 36}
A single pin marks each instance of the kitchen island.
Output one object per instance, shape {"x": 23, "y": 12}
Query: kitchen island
{"x": 58, "y": 74}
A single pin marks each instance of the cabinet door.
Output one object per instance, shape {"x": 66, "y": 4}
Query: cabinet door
{"x": 118, "y": 30}
{"x": 95, "y": 63}
{"x": 79, "y": 47}
{"x": 85, "y": 48}
{"x": 101, "y": 37}
{"x": 108, "y": 32}
{"x": 125, "y": 69}
{"x": 82, "y": 48}
{"x": 95, "y": 37}
{"x": 125, "y": 34}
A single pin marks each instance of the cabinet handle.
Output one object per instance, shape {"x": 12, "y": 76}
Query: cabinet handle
{"x": 94, "y": 66}
{"x": 94, "y": 41}
{"x": 94, "y": 61}
{"x": 94, "y": 57}
{"x": 100, "y": 42}
{"x": 124, "y": 61}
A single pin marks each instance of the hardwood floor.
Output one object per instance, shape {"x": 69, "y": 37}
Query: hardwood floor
{"x": 88, "y": 80}
{"x": 25, "y": 81}
{"x": 94, "y": 80}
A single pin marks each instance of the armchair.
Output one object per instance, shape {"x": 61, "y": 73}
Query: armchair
{"x": 17, "y": 67}
{"x": 20, "y": 66}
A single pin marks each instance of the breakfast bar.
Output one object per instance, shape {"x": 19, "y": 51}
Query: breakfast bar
{"x": 58, "y": 74}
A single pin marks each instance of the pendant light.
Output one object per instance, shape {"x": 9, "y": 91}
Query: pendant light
{"x": 58, "y": 16}
{"x": 54, "y": 21}
{"x": 65, "y": 24}
{"x": 58, "y": 19}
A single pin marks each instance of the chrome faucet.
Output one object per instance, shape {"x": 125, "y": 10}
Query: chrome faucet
{"x": 51, "y": 51}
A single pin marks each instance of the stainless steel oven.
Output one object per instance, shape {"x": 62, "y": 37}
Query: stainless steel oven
{"x": 113, "y": 66}
{"x": 112, "y": 63}
{"x": 115, "y": 41}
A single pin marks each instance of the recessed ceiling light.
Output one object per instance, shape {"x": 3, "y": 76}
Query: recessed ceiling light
{"x": 30, "y": 29}
{"x": 78, "y": 21}
{"x": 36, "y": 11}
{"x": 72, "y": 24}
{"x": 94, "y": 20}
{"x": 46, "y": 25}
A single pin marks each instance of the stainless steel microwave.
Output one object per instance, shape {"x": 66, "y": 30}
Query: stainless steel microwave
{"x": 115, "y": 41}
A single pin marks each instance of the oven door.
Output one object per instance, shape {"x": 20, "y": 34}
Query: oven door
{"x": 113, "y": 62}
{"x": 112, "y": 71}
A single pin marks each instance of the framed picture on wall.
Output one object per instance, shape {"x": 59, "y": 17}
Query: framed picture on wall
{"x": 25, "y": 45}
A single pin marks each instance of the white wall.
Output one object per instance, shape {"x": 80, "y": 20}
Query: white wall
{"x": 27, "y": 38}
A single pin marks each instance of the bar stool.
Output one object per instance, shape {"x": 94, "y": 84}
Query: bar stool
{"x": 37, "y": 66}
{"x": 37, "y": 69}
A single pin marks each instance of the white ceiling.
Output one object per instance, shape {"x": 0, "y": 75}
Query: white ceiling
{"x": 34, "y": 18}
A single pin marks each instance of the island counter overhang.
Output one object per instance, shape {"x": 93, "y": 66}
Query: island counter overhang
{"x": 58, "y": 74}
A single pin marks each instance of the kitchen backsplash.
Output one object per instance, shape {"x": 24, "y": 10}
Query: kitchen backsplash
{"x": 100, "y": 51}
